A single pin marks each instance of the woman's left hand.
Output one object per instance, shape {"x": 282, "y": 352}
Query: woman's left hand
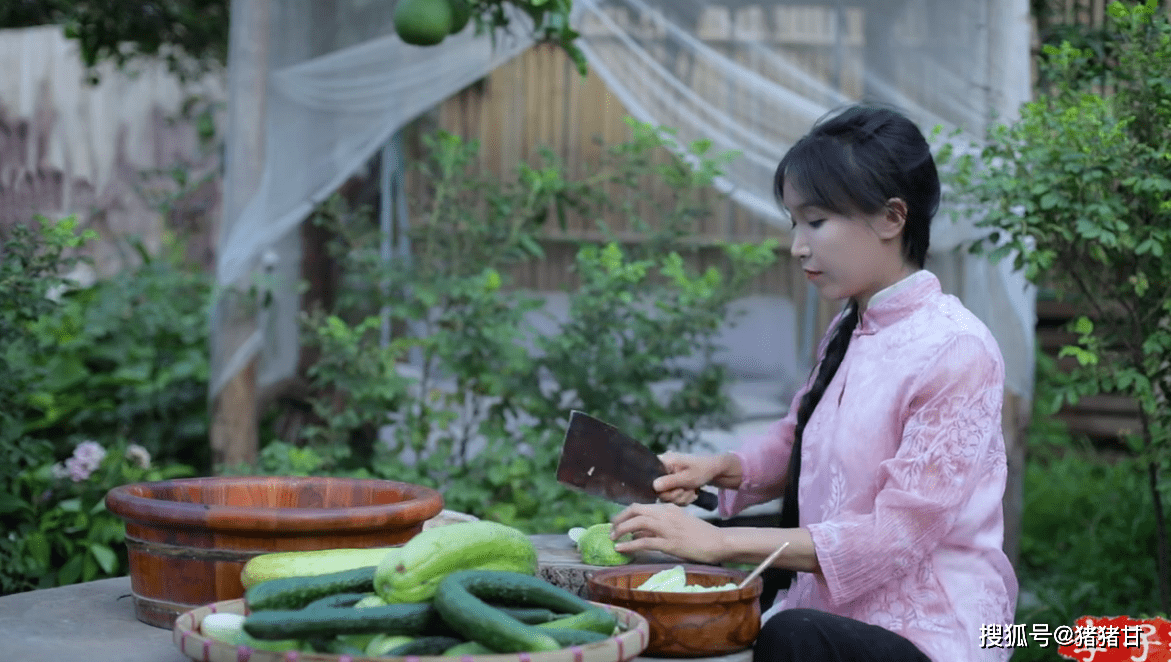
{"x": 665, "y": 527}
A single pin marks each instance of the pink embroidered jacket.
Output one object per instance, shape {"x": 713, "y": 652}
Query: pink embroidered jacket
{"x": 902, "y": 475}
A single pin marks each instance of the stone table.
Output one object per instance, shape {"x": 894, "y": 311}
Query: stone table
{"x": 90, "y": 622}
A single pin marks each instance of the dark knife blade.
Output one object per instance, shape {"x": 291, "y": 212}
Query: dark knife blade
{"x": 601, "y": 460}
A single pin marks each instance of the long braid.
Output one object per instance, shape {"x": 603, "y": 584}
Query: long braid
{"x": 853, "y": 162}
{"x": 835, "y": 351}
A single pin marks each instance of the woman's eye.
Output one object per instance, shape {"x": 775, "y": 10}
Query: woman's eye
{"x": 816, "y": 224}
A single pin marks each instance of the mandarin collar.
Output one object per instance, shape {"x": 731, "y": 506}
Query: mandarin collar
{"x": 897, "y": 302}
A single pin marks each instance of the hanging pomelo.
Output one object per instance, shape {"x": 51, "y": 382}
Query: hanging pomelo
{"x": 423, "y": 22}
{"x": 461, "y": 13}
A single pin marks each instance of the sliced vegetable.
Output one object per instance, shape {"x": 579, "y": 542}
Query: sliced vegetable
{"x": 227, "y": 628}
{"x": 674, "y": 580}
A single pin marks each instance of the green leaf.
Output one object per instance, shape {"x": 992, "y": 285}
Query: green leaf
{"x": 70, "y": 573}
{"x": 89, "y": 568}
{"x": 37, "y": 545}
{"x": 1083, "y": 356}
{"x": 531, "y": 246}
{"x": 10, "y": 503}
{"x": 107, "y": 560}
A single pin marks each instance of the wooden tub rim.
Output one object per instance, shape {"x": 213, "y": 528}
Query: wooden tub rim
{"x": 128, "y": 502}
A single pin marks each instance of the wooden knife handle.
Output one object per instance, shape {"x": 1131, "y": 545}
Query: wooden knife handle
{"x": 706, "y": 500}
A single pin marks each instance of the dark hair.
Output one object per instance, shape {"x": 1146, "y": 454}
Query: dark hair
{"x": 854, "y": 162}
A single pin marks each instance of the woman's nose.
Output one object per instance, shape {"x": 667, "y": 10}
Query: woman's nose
{"x": 799, "y": 248}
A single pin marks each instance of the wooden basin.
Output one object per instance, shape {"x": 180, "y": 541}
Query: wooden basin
{"x": 188, "y": 539}
{"x": 685, "y": 624}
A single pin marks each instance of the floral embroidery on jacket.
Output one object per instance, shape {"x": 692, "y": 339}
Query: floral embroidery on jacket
{"x": 902, "y": 483}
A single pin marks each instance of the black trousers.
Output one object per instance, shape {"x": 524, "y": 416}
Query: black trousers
{"x": 809, "y": 635}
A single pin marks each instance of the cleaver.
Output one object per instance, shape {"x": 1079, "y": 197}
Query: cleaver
{"x": 600, "y": 460}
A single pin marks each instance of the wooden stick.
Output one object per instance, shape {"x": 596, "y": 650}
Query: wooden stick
{"x": 763, "y": 564}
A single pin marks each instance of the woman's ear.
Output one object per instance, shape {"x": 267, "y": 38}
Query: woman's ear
{"x": 894, "y": 219}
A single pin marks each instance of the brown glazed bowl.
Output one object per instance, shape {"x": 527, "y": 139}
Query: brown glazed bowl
{"x": 685, "y": 624}
{"x": 189, "y": 539}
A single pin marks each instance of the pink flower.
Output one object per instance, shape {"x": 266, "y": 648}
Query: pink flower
{"x": 87, "y": 457}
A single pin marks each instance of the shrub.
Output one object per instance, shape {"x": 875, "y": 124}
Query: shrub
{"x": 482, "y": 415}
{"x": 1079, "y": 192}
{"x": 111, "y": 377}
{"x": 126, "y": 358}
{"x": 57, "y": 528}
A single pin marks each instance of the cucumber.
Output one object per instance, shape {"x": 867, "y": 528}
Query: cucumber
{"x": 575, "y": 637}
{"x": 339, "y": 600}
{"x": 273, "y": 645}
{"x": 530, "y": 615}
{"x": 414, "y": 574}
{"x": 563, "y": 638}
{"x": 371, "y": 600}
{"x": 595, "y": 619}
{"x": 517, "y": 589}
{"x": 468, "y": 648}
{"x": 460, "y": 601}
{"x": 337, "y": 646}
{"x": 408, "y": 618}
{"x": 382, "y": 644}
{"x": 279, "y": 565}
{"x": 358, "y": 642}
{"x": 297, "y": 592}
{"x": 431, "y": 645}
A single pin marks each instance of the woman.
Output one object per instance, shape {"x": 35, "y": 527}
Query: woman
{"x": 891, "y": 457}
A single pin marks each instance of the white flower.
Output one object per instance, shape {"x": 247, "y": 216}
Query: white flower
{"x": 138, "y": 455}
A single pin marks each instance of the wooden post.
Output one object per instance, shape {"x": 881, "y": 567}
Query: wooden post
{"x": 1015, "y": 419}
{"x": 234, "y": 434}
{"x": 1009, "y": 64}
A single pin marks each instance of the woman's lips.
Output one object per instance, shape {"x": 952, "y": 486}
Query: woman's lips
{"x": 811, "y": 274}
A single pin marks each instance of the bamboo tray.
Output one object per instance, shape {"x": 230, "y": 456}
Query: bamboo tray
{"x": 186, "y": 635}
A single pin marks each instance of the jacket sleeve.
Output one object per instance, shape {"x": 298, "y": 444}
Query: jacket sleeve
{"x": 765, "y": 458}
{"x": 951, "y": 426}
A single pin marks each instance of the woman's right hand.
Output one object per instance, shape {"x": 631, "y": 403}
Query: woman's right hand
{"x": 686, "y": 473}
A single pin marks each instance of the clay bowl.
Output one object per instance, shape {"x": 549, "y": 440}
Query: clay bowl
{"x": 188, "y": 539}
{"x": 685, "y": 624}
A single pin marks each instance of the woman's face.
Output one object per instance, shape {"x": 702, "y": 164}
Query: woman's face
{"x": 845, "y": 256}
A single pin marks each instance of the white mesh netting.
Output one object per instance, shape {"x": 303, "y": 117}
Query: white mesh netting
{"x": 750, "y": 76}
